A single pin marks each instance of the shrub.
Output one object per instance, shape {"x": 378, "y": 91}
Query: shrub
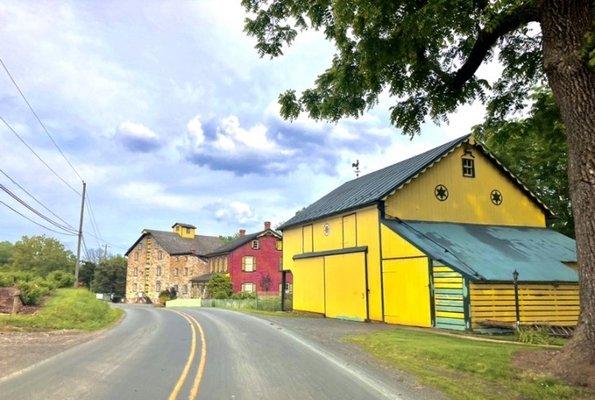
{"x": 164, "y": 296}
{"x": 6, "y": 279}
{"x": 243, "y": 295}
{"x": 61, "y": 278}
{"x": 33, "y": 291}
{"x": 219, "y": 287}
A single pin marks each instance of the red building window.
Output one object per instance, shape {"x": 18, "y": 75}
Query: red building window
{"x": 248, "y": 264}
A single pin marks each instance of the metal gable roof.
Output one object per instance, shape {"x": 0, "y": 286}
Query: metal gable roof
{"x": 240, "y": 241}
{"x": 371, "y": 187}
{"x": 174, "y": 244}
{"x": 487, "y": 252}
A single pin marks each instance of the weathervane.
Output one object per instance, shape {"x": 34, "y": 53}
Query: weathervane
{"x": 355, "y": 167}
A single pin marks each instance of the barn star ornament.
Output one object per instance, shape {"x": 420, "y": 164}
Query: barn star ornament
{"x": 496, "y": 197}
{"x": 441, "y": 192}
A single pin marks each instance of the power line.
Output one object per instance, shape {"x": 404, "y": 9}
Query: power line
{"x": 35, "y": 222}
{"x": 36, "y": 200}
{"x": 39, "y": 119}
{"x": 38, "y": 156}
{"x": 33, "y": 210}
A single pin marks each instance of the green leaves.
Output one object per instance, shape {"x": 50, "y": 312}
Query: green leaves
{"x": 425, "y": 53}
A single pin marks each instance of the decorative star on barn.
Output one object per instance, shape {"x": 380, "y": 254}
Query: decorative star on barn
{"x": 496, "y": 197}
{"x": 441, "y": 192}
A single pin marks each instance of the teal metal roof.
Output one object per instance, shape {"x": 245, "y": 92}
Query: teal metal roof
{"x": 487, "y": 252}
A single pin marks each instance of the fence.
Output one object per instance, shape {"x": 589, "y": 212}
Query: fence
{"x": 262, "y": 303}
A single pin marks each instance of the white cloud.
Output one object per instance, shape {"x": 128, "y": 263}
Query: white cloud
{"x": 195, "y": 132}
{"x": 137, "y": 137}
{"x": 234, "y": 212}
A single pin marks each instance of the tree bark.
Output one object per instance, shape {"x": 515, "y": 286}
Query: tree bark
{"x": 565, "y": 25}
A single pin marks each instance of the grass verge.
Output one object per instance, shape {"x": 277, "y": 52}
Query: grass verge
{"x": 463, "y": 369}
{"x": 66, "y": 309}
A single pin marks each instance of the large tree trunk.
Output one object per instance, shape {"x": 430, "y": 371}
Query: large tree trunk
{"x": 564, "y": 25}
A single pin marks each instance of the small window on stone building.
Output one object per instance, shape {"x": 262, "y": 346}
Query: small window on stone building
{"x": 468, "y": 168}
{"x": 176, "y": 272}
{"x": 134, "y": 287}
{"x": 184, "y": 289}
{"x": 160, "y": 255}
{"x": 255, "y": 245}
{"x": 136, "y": 255}
{"x": 158, "y": 286}
{"x": 158, "y": 271}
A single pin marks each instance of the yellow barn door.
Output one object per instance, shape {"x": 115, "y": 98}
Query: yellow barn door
{"x": 345, "y": 286}
{"x": 406, "y": 292}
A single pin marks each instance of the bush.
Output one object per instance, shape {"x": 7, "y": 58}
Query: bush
{"x": 67, "y": 309}
{"x": 61, "y": 279}
{"x": 33, "y": 291}
{"x": 6, "y": 279}
{"x": 219, "y": 287}
{"x": 243, "y": 295}
{"x": 164, "y": 296}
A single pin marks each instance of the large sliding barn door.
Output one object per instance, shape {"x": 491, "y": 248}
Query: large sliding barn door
{"x": 345, "y": 286}
{"x": 407, "y": 291}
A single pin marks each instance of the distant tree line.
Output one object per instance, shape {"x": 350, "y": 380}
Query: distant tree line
{"x": 36, "y": 258}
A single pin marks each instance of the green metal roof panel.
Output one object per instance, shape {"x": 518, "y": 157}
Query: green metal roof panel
{"x": 371, "y": 187}
{"x": 487, "y": 252}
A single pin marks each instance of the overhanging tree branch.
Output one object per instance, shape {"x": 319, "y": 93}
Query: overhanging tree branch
{"x": 487, "y": 38}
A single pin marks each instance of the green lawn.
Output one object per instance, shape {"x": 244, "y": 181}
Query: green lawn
{"x": 66, "y": 309}
{"x": 463, "y": 369}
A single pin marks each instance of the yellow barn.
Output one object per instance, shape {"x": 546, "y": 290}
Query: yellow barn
{"x": 448, "y": 238}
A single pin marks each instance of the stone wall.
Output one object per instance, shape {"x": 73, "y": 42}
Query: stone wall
{"x": 151, "y": 269}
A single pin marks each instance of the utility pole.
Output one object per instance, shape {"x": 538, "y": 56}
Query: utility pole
{"x": 105, "y": 252}
{"x": 78, "y": 247}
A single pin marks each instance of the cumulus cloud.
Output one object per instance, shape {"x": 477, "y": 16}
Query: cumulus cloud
{"x": 137, "y": 137}
{"x": 196, "y": 134}
{"x": 235, "y": 212}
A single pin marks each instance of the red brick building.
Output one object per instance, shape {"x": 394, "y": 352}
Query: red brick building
{"x": 253, "y": 262}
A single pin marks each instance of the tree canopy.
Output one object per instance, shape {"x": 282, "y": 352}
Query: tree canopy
{"x": 41, "y": 255}
{"x": 423, "y": 53}
{"x": 110, "y": 276}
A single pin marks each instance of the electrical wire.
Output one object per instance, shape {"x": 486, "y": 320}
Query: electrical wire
{"x": 37, "y": 200}
{"x": 35, "y": 222}
{"x": 34, "y": 210}
{"x": 38, "y": 156}
{"x": 39, "y": 119}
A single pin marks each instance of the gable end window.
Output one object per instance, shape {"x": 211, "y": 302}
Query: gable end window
{"x": 468, "y": 168}
{"x": 255, "y": 245}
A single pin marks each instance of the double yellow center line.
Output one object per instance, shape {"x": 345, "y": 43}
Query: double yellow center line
{"x": 201, "y": 365}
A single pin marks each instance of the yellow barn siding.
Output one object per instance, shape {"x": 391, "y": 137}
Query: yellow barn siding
{"x": 349, "y": 231}
{"x": 308, "y": 285}
{"x": 407, "y": 292}
{"x": 368, "y": 226}
{"x": 292, "y": 245}
{"x": 538, "y": 304}
{"x": 394, "y": 246}
{"x": 345, "y": 286}
{"x": 353, "y": 229}
{"x": 468, "y": 198}
{"x": 307, "y": 239}
{"x": 328, "y": 238}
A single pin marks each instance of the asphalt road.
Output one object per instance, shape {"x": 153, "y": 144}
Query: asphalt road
{"x": 194, "y": 353}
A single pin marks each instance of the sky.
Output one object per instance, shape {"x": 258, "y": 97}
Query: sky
{"x": 169, "y": 114}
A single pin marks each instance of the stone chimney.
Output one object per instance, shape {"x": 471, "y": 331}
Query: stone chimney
{"x": 242, "y": 232}
{"x": 267, "y": 225}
